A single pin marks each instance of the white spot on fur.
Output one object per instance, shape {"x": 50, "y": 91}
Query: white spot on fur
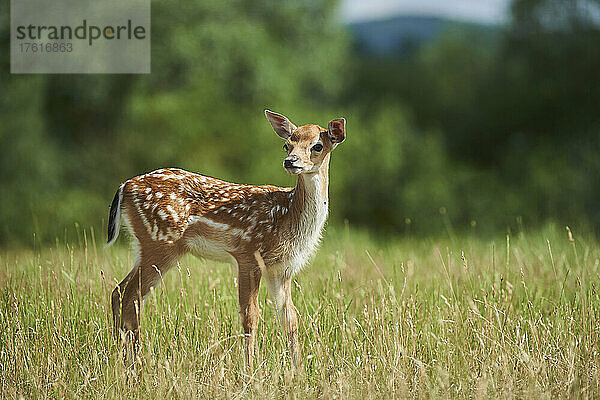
{"x": 162, "y": 214}
{"x": 173, "y": 213}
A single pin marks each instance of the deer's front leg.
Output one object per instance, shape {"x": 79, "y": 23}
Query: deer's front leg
{"x": 281, "y": 290}
{"x": 248, "y": 285}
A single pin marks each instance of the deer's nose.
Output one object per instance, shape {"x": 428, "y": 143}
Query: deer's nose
{"x": 289, "y": 162}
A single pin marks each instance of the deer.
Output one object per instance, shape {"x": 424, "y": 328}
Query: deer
{"x": 265, "y": 231}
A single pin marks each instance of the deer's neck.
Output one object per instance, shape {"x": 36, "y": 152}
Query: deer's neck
{"x": 306, "y": 218}
{"x": 309, "y": 204}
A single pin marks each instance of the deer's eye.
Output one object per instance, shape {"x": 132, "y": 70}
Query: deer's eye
{"x": 317, "y": 147}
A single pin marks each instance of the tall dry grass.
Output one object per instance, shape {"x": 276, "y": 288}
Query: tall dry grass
{"x": 464, "y": 318}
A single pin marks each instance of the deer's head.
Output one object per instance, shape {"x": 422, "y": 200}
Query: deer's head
{"x": 307, "y": 146}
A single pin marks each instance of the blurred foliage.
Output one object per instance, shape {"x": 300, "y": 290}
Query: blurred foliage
{"x": 516, "y": 113}
{"x": 474, "y": 131}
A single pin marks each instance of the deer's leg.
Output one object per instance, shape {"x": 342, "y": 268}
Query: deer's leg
{"x": 281, "y": 290}
{"x": 132, "y": 292}
{"x": 117, "y": 301}
{"x": 248, "y": 284}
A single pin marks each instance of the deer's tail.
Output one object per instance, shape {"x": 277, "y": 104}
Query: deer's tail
{"x": 114, "y": 217}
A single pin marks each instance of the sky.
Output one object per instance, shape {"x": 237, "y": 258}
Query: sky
{"x": 483, "y": 11}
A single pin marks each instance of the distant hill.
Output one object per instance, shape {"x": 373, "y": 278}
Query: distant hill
{"x": 402, "y": 35}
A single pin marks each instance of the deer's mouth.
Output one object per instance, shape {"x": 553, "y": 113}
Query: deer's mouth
{"x": 294, "y": 170}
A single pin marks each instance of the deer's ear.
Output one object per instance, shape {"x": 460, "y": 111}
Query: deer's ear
{"x": 281, "y": 125}
{"x": 336, "y": 130}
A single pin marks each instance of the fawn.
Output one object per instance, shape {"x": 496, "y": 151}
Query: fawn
{"x": 266, "y": 231}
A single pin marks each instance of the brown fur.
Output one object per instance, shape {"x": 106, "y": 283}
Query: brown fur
{"x": 267, "y": 231}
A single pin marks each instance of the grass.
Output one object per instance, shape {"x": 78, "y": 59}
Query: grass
{"x": 517, "y": 316}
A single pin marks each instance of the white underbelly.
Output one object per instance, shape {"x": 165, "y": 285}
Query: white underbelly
{"x": 204, "y": 248}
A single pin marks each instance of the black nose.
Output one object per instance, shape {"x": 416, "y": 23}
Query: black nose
{"x": 288, "y": 163}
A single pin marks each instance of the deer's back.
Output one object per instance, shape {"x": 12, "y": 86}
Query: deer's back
{"x": 209, "y": 217}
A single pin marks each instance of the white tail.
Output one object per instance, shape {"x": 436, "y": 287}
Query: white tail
{"x": 266, "y": 231}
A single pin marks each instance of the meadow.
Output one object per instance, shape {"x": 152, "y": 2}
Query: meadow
{"x": 513, "y": 316}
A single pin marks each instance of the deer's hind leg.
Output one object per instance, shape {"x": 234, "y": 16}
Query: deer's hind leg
{"x": 117, "y": 301}
{"x": 128, "y": 297}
